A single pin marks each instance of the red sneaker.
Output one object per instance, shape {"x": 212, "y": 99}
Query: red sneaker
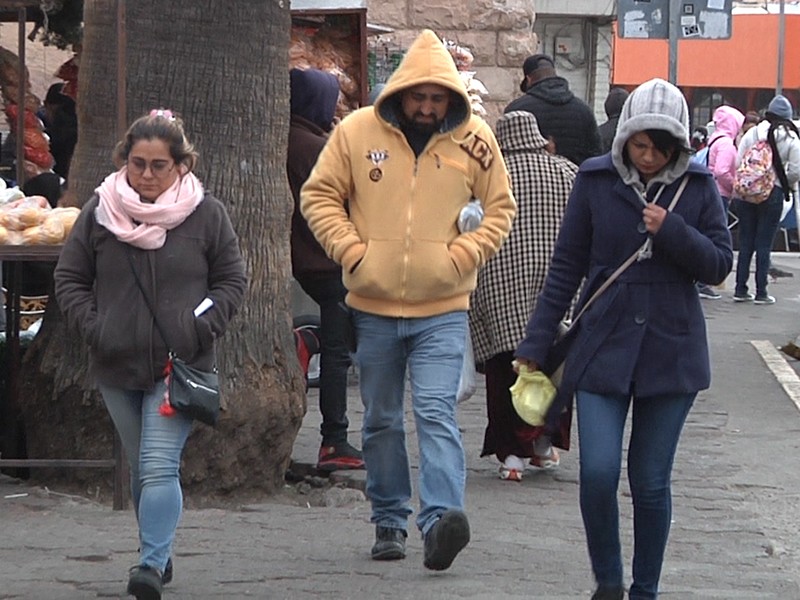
{"x": 340, "y": 456}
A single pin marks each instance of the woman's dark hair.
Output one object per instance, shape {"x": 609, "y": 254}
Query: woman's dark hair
{"x": 161, "y": 125}
{"x": 666, "y": 143}
{"x": 775, "y": 123}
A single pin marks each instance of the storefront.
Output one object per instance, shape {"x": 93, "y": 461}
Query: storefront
{"x": 741, "y": 71}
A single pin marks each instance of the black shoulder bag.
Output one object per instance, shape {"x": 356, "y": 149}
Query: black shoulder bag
{"x": 190, "y": 391}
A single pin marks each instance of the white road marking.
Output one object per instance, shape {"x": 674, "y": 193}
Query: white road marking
{"x": 784, "y": 373}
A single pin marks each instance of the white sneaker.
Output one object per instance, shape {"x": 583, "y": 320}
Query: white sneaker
{"x": 546, "y": 461}
{"x": 764, "y": 299}
{"x": 512, "y": 468}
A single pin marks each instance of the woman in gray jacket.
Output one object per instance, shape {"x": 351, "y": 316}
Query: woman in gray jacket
{"x": 153, "y": 217}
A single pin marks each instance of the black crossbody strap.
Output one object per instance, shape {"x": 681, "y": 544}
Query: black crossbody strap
{"x": 149, "y": 303}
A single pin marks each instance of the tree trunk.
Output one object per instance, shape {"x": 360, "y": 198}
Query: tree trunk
{"x": 223, "y": 67}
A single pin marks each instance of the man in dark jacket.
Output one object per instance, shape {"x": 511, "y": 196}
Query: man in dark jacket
{"x": 613, "y": 105}
{"x": 563, "y": 118}
{"x": 314, "y": 95}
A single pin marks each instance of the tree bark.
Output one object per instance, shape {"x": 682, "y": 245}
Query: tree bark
{"x": 223, "y": 67}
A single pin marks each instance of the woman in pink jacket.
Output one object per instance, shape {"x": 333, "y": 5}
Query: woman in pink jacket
{"x": 722, "y": 151}
{"x": 720, "y": 159}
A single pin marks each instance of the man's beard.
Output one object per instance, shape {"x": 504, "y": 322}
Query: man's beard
{"x": 430, "y": 126}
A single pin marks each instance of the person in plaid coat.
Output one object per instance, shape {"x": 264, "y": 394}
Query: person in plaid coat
{"x": 508, "y": 287}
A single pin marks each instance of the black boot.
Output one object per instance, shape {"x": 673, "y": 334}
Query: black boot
{"x": 390, "y": 543}
{"x": 609, "y": 593}
{"x": 144, "y": 582}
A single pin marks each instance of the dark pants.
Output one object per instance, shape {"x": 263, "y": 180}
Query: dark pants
{"x": 758, "y": 224}
{"x": 506, "y": 433}
{"x": 329, "y": 293}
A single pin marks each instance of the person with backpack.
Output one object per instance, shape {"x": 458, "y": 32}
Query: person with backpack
{"x": 768, "y": 168}
{"x": 719, "y": 157}
{"x": 722, "y": 154}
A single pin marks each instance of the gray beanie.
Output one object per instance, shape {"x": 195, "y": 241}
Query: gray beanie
{"x": 655, "y": 104}
{"x": 780, "y": 107}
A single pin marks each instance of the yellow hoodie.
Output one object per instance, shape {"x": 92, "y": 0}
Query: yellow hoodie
{"x": 389, "y": 217}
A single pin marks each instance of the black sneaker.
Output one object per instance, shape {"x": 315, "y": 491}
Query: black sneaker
{"x": 445, "y": 540}
{"x": 606, "y": 593}
{"x": 390, "y": 543}
{"x": 707, "y": 292}
{"x": 339, "y": 456}
{"x": 144, "y": 582}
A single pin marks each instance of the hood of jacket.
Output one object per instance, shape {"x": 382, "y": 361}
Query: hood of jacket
{"x": 727, "y": 121}
{"x": 554, "y": 90}
{"x": 615, "y": 101}
{"x": 519, "y": 130}
{"x": 655, "y": 104}
{"x": 426, "y": 61}
{"x": 313, "y": 96}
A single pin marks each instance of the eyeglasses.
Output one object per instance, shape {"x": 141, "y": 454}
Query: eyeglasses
{"x": 159, "y": 168}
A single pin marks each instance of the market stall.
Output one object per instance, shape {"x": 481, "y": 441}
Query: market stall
{"x": 30, "y": 231}
{"x": 331, "y": 35}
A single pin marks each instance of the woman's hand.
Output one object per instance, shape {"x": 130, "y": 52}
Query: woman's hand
{"x": 653, "y": 217}
{"x": 531, "y": 364}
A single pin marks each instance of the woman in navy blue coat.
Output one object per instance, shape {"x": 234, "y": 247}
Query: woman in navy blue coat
{"x": 643, "y": 342}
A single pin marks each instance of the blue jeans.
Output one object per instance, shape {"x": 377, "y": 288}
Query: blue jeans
{"x": 758, "y": 224}
{"x": 153, "y": 445}
{"x": 329, "y": 292}
{"x": 432, "y": 349}
{"x": 655, "y": 431}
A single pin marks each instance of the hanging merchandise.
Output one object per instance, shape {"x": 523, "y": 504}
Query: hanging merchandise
{"x": 331, "y": 42}
{"x": 475, "y": 89}
{"x": 36, "y": 145}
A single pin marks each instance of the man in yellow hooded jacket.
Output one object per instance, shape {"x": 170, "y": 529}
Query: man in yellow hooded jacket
{"x": 384, "y": 201}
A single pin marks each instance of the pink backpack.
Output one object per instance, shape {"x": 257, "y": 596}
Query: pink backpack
{"x": 755, "y": 178}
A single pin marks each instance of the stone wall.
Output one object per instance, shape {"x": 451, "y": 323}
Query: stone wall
{"x": 499, "y": 34}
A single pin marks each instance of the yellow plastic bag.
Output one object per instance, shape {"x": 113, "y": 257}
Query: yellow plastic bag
{"x": 532, "y": 394}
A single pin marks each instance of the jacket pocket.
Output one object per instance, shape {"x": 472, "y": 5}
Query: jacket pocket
{"x": 413, "y": 271}
{"x": 183, "y": 333}
{"x": 114, "y": 337}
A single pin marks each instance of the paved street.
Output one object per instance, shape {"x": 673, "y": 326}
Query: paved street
{"x": 736, "y": 531}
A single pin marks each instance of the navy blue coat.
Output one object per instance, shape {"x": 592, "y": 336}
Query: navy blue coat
{"x": 646, "y": 334}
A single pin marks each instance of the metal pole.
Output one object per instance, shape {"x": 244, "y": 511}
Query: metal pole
{"x": 781, "y": 47}
{"x": 674, "y": 24}
{"x": 22, "y": 16}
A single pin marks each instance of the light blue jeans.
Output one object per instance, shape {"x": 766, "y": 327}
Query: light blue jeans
{"x": 655, "y": 431}
{"x": 153, "y": 445}
{"x": 432, "y": 350}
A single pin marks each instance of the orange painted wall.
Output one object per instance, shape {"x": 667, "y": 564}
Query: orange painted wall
{"x": 749, "y": 59}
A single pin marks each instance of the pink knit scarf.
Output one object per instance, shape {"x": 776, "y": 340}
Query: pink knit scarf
{"x": 143, "y": 224}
